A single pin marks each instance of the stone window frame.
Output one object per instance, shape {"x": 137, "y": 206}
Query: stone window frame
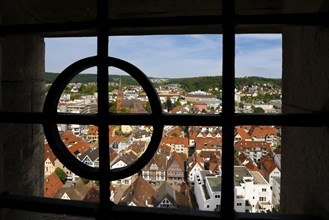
{"x": 228, "y": 119}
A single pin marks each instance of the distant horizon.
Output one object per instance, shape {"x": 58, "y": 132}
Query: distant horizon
{"x": 176, "y": 56}
{"x": 156, "y": 77}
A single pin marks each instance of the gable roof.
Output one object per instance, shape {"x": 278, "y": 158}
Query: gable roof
{"x": 160, "y": 160}
{"x": 113, "y": 155}
{"x": 195, "y": 163}
{"x": 92, "y": 153}
{"x": 137, "y": 147}
{"x": 179, "y": 158}
{"x": 242, "y": 133}
{"x": 268, "y": 164}
{"x": 165, "y": 191}
{"x": 176, "y": 130}
{"x": 140, "y": 192}
{"x": 183, "y": 197}
{"x": 206, "y": 154}
{"x": 175, "y": 141}
{"x": 80, "y": 147}
{"x": 252, "y": 167}
{"x": 116, "y": 139}
{"x": 77, "y": 191}
{"x": 68, "y": 138}
{"x": 52, "y": 184}
{"x": 201, "y": 143}
{"x": 253, "y": 145}
{"x": 92, "y": 194}
{"x": 48, "y": 153}
{"x": 92, "y": 130}
{"x": 127, "y": 158}
{"x": 164, "y": 149}
{"x": 262, "y": 131}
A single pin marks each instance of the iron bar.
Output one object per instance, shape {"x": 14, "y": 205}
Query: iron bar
{"x": 318, "y": 119}
{"x": 103, "y": 106}
{"x": 241, "y": 20}
{"x": 228, "y": 80}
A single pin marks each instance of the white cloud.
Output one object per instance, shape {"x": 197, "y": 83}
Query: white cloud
{"x": 174, "y": 56}
{"x": 259, "y": 36}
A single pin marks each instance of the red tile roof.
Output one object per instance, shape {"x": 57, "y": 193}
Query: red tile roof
{"x": 51, "y": 185}
{"x": 175, "y": 140}
{"x": 243, "y": 134}
{"x": 253, "y": 145}
{"x": 80, "y": 147}
{"x": 268, "y": 164}
{"x": 201, "y": 143}
{"x": 48, "y": 153}
{"x": 179, "y": 158}
{"x": 140, "y": 192}
{"x": 262, "y": 131}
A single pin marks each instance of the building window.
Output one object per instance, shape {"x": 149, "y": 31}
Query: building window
{"x": 262, "y": 199}
{"x": 239, "y": 204}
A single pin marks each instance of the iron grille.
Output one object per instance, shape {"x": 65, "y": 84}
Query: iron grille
{"x": 228, "y": 119}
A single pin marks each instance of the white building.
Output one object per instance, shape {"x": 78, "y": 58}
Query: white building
{"x": 252, "y": 193}
{"x": 276, "y": 193}
{"x": 194, "y": 168}
{"x": 207, "y": 190}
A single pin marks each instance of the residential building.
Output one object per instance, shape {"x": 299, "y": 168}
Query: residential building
{"x": 122, "y": 161}
{"x": 195, "y": 166}
{"x": 252, "y": 193}
{"x": 176, "y": 168}
{"x": 51, "y": 185}
{"x": 276, "y": 189}
{"x": 155, "y": 170}
{"x": 177, "y": 144}
{"x": 139, "y": 193}
{"x": 254, "y": 150}
{"x": 49, "y": 160}
{"x": 90, "y": 157}
{"x": 165, "y": 196}
{"x": 73, "y": 191}
{"x": 271, "y": 171}
{"x": 207, "y": 190}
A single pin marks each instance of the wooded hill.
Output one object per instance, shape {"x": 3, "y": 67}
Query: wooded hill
{"x": 189, "y": 84}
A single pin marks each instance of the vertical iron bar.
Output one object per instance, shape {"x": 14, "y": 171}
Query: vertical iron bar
{"x": 103, "y": 106}
{"x": 227, "y": 199}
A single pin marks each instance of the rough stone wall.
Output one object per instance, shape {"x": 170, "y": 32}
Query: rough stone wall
{"x": 22, "y": 87}
{"x": 305, "y": 164}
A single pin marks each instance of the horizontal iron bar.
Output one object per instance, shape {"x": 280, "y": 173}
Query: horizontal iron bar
{"x": 46, "y": 205}
{"x": 283, "y": 119}
{"x": 46, "y": 27}
{"x": 240, "y": 20}
{"x": 80, "y": 208}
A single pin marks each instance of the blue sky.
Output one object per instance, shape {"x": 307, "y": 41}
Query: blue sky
{"x": 175, "y": 56}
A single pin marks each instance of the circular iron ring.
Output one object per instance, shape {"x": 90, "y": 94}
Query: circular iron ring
{"x": 52, "y": 134}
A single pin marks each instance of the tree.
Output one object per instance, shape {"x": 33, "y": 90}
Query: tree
{"x": 176, "y": 104}
{"x": 61, "y": 174}
{"x": 257, "y": 109}
{"x": 84, "y": 180}
{"x": 112, "y": 108}
{"x": 169, "y": 104}
{"x": 148, "y": 107}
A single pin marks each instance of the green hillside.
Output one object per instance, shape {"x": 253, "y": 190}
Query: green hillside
{"x": 189, "y": 84}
